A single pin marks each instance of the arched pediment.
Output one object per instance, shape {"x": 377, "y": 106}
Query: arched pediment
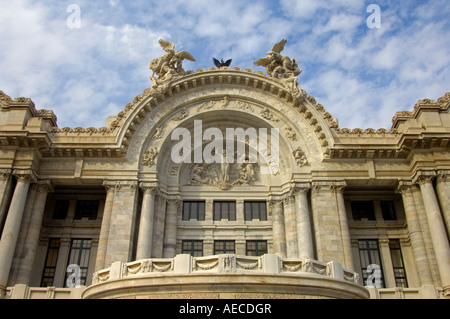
{"x": 302, "y": 122}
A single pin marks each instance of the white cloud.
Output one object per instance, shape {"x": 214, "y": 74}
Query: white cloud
{"x": 361, "y": 75}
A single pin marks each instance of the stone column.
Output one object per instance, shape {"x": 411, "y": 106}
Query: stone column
{"x": 158, "y": 230}
{"x": 279, "y": 232}
{"x": 170, "y": 229}
{"x": 121, "y": 230}
{"x": 145, "y": 239}
{"x": 415, "y": 233}
{"x": 5, "y": 193}
{"x": 345, "y": 231}
{"x": 12, "y": 225}
{"x": 106, "y": 221}
{"x": 443, "y": 192}
{"x": 304, "y": 235}
{"x": 290, "y": 224}
{"x": 33, "y": 232}
{"x": 437, "y": 229}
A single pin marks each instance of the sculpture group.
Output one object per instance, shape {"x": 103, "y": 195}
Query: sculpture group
{"x": 170, "y": 66}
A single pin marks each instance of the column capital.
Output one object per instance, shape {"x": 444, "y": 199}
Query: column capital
{"x": 174, "y": 201}
{"x": 275, "y": 201}
{"x": 337, "y": 186}
{"x": 300, "y": 188}
{"x": 443, "y": 175}
{"x": 44, "y": 186}
{"x": 149, "y": 187}
{"x": 404, "y": 186}
{"x": 109, "y": 185}
{"x": 422, "y": 177}
{"x": 5, "y": 173}
{"x": 125, "y": 185}
{"x": 25, "y": 175}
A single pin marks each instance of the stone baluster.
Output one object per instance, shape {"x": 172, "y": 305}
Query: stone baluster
{"x": 145, "y": 239}
{"x": 12, "y": 224}
{"x": 437, "y": 228}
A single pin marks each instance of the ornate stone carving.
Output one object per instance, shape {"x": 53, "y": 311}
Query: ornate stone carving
{"x": 282, "y": 68}
{"x": 268, "y": 115}
{"x": 290, "y": 134}
{"x": 169, "y": 66}
{"x": 183, "y": 114}
{"x": 149, "y": 157}
{"x": 224, "y": 175}
{"x": 300, "y": 157}
{"x": 159, "y": 132}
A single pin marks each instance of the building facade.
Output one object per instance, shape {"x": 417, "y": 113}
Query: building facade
{"x": 137, "y": 209}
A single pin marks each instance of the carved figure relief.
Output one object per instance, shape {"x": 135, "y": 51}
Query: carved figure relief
{"x": 300, "y": 157}
{"x": 149, "y": 157}
{"x": 224, "y": 175}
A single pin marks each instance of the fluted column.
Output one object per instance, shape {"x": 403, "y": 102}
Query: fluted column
{"x": 33, "y": 232}
{"x": 106, "y": 221}
{"x": 343, "y": 222}
{"x": 12, "y": 225}
{"x": 415, "y": 233}
{"x": 437, "y": 229}
{"x": 443, "y": 192}
{"x": 305, "y": 239}
{"x": 279, "y": 231}
{"x": 145, "y": 237}
{"x": 170, "y": 229}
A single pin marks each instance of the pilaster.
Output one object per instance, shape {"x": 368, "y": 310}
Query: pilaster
{"x": 120, "y": 237}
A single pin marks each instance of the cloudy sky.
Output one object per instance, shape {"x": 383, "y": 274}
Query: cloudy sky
{"x": 361, "y": 75}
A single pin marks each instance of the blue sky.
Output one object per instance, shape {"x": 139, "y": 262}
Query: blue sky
{"x": 361, "y": 75}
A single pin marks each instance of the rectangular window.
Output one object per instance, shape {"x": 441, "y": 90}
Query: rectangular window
{"x": 224, "y": 247}
{"x": 48, "y": 275}
{"x": 61, "y": 209}
{"x": 224, "y": 210}
{"x": 255, "y": 210}
{"x": 80, "y": 251}
{"x": 256, "y": 247}
{"x": 369, "y": 254}
{"x": 363, "y": 209}
{"x": 193, "y": 210}
{"x": 388, "y": 210}
{"x": 192, "y": 247}
{"x": 397, "y": 263}
{"x": 86, "y": 209}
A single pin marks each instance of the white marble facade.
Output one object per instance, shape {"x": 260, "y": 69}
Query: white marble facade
{"x": 127, "y": 168}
